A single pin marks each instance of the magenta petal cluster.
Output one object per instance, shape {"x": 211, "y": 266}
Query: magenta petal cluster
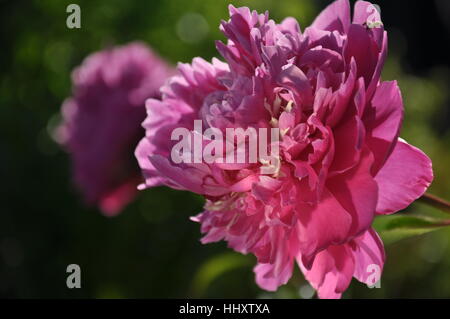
{"x": 341, "y": 161}
{"x": 102, "y": 121}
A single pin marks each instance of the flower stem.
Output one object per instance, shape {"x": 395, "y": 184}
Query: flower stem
{"x": 436, "y": 202}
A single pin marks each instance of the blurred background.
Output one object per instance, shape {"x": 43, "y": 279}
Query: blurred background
{"x": 152, "y": 249}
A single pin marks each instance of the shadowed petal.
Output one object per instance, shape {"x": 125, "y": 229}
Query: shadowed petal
{"x": 334, "y": 17}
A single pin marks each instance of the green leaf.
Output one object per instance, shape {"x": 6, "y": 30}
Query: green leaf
{"x": 216, "y": 267}
{"x": 397, "y": 227}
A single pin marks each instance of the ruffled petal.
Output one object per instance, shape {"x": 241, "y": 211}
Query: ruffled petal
{"x": 266, "y": 279}
{"x": 331, "y": 271}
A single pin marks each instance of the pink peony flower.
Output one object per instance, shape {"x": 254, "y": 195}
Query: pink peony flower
{"x": 341, "y": 161}
{"x": 102, "y": 121}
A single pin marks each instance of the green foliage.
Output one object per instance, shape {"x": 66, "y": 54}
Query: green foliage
{"x": 215, "y": 267}
{"x": 400, "y": 226}
{"x": 152, "y": 249}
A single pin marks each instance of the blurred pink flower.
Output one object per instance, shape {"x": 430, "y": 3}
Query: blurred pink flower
{"x": 102, "y": 121}
{"x": 341, "y": 161}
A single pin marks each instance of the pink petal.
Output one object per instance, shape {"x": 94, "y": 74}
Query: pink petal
{"x": 334, "y": 17}
{"x": 293, "y": 79}
{"x": 321, "y": 225}
{"x": 363, "y": 49}
{"x": 188, "y": 178}
{"x": 363, "y": 11}
{"x": 112, "y": 203}
{"x": 404, "y": 177}
{"x": 266, "y": 279}
{"x": 331, "y": 271}
{"x": 383, "y": 119}
{"x": 357, "y": 192}
{"x": 348, "y": 139}
{"x": 379, "y": 66}
{"x": 368, "y": 251}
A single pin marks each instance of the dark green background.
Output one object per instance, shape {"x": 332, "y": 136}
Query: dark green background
{"x": 152, "y": 249}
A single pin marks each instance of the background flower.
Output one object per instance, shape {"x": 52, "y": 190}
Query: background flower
{"x": 102, "y": 121}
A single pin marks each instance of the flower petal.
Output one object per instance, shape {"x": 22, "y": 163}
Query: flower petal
{"x": 331, "y": 271}
{"x": 404, "y": 177}
{"x": 383, "y": 119}
{"x": 321, "y": 225}
{"x": 368, "y": 253}
{"x": 265, "y": 276}
{"x": 334, "y": 17}
{"x": 357, "y": 192}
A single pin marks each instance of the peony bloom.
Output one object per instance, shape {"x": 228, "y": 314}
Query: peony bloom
{"x": 341, "y": 161}
{"x": 102, "y": 121}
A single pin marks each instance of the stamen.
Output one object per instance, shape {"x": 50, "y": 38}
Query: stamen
{"x": 274, "y": 122}
{"x": 283, "y": 132}
{"x": 288, "y": 107}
